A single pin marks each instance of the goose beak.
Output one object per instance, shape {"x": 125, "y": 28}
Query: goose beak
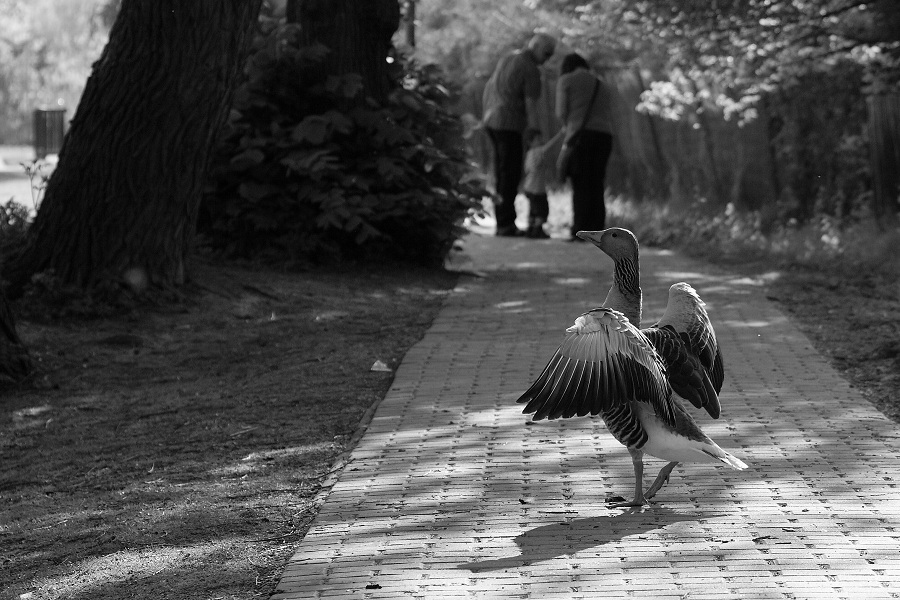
{"x": 591, "y": 236}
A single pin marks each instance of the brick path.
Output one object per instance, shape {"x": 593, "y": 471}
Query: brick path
{"x": 451, "y": 493}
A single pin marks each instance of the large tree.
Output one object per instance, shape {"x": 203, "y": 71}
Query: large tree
{"x": 122, "y": 203}
{"x": 15, "y": 363}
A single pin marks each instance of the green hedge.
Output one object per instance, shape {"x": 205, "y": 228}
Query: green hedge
{"x": 311, "y": 169}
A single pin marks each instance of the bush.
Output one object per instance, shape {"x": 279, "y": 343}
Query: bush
{"x": 849, "y": 244}
{"x": 14, "y": 223}
{"x": 309, "y": 169}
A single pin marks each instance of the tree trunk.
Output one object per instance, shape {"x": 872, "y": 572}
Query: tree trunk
{"x": 123, "y": 200}
{"x": 884, "y": 139}
{"x": 358, "y": 33}
{"x": 15, "y": 364}
{"x": 410, "y": 22}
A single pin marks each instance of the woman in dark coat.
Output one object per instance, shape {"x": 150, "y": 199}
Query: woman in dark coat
{"x": 587, "y": 171}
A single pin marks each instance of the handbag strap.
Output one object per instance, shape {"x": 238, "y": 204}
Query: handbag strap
{"x": 587, "y": 113}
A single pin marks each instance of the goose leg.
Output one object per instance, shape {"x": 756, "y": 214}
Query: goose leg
{"x": 661, "y": 479}
{"x": 637, "y": 459}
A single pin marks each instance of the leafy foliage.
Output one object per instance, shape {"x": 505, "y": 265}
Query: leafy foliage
{"x": 14, "y": 223}
{"x": 748, "y": 47}
{"x": 309, "y": 168}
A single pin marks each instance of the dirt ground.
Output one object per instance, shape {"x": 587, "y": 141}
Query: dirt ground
{"x": 177, "y": 450}
{"x": 853, "y": 318}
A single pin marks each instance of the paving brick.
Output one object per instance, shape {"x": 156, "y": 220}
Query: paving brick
{"x": 453, "y": 493}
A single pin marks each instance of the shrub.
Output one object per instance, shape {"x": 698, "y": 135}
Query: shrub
{"x": 850, "y": 244}
{"x": 310, "y": 169}
{"x": 14, "y": 222}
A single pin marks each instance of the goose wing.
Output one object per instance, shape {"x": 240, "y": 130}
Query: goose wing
{"x": 687, "y": 376}
{"x": 604, "y": 363}
{"x": 686, "y": 314}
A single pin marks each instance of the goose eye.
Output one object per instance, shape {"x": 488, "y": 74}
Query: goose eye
{"x": 615, "y": 235}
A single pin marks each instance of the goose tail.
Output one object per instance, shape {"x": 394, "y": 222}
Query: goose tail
{"x": 723, "y": 456}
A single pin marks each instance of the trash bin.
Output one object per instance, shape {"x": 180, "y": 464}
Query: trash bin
{"x": 49, "y": 124}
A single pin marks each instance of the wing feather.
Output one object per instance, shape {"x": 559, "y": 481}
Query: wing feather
{"x": 595, "y": 391}
{"x": 563, "y": 393}
{"x": 579, "y": 394}
{"x": 537, "y": 388}
{"x": 687, "y": 376}
{"x": 555, "y": 388}
{"x": 686, "y": 315}
{"x": 603, "y": 363}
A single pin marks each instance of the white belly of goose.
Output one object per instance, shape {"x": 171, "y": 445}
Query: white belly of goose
{"x": 667, "y": 444}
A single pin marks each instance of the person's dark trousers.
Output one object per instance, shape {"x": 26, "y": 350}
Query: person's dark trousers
{"x": 538, "y": 211}
{"x": 538, "y": 207}
{"x": 508, "y": 163}
{"x": 589, "y": 181}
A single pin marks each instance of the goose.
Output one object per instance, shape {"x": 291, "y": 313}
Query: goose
{"x": 635, "y": 379}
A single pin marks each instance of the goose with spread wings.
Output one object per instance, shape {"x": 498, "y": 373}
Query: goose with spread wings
{"x": 634, "y": 378}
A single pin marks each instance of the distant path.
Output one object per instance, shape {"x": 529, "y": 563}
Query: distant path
{"x": 451, "y": 494}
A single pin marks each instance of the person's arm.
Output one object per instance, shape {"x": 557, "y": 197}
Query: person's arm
{"x": 533, "y": 129}
{"x": 532, "y": 108}
{"x": 562, "y": 101}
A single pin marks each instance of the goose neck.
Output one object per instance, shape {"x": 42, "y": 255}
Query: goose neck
{"x": 625, "y": 294}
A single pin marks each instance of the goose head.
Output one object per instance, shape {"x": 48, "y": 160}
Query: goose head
{"x": 619, "y": 244}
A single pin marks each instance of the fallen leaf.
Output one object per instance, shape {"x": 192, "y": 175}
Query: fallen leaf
{"x": 380, "y": 366}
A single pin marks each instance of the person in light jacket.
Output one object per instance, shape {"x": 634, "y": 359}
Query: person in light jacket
{"x": 587, "y": 170}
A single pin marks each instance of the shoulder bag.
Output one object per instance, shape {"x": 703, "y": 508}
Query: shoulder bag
{"x": 565, "y": 166}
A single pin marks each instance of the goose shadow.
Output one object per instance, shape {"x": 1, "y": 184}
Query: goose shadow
{"x": 567, "y": 538}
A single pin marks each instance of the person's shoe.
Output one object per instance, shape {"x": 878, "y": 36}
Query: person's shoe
{"x": 511, "y": 231}
{"x": 537, "y": 233}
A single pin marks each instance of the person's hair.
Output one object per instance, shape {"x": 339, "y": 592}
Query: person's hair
{"x": 542, "y": 41}
{"x": 571, "y": 62}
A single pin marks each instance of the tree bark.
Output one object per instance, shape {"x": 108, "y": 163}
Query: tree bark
{"x": 884, "y": 141}
{"x": 358, "y": 33}
{"x": 123, "y": 200}
{"x": 410, "y": 21}
{"x": 15, "y": 363}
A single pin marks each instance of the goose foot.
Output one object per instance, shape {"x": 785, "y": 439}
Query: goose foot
{"x": 636, "y": 503}
{"x": 637, "y": 460}
{"x": 661, "y": 479}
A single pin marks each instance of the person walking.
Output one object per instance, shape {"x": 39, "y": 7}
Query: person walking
{"x": 511, "y": 121}
{"x": 583, "y": 104}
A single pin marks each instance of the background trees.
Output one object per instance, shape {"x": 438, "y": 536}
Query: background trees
{"x": 772, "y": 106}
{"x": 46, "y": 51}
{"x": 331, "y": 149}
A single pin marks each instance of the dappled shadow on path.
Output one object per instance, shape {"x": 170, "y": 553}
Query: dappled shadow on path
{"x": 564, "y": 539}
